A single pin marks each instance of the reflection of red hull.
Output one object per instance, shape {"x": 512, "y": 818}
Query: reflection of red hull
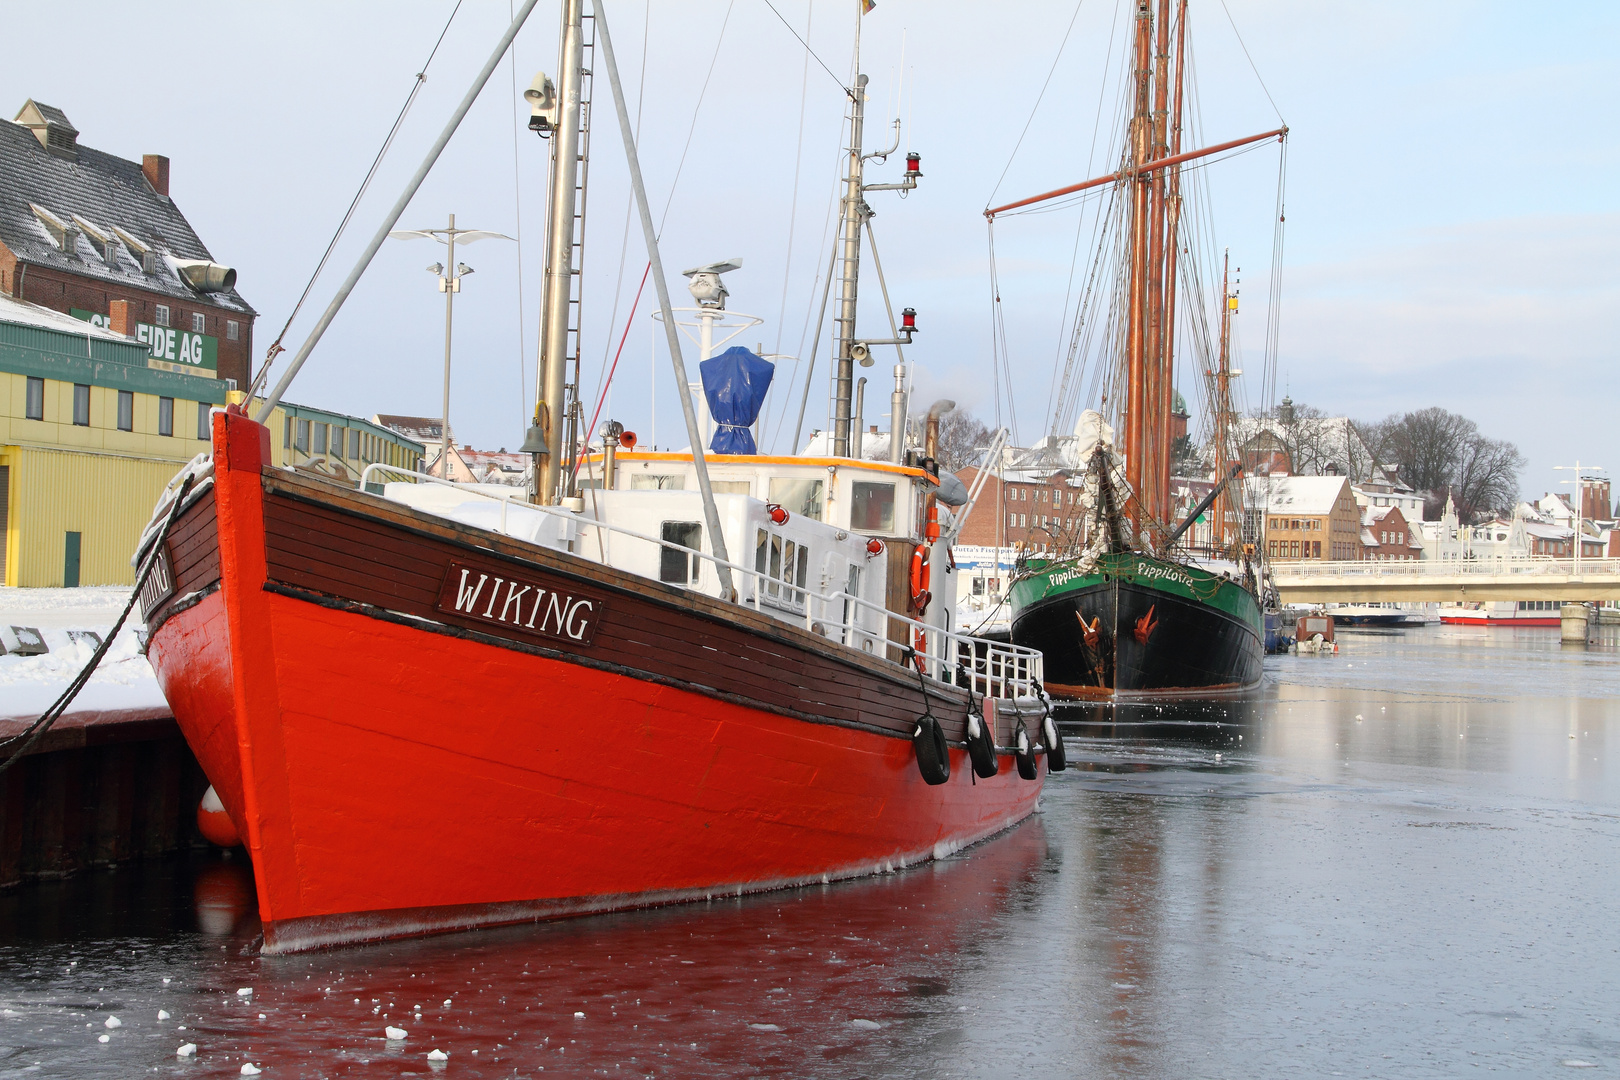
{"x": 393, "y": 772}
{"x": 1498, "y": 620}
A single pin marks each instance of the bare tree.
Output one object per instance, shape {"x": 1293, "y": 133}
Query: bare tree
{"x": 960, "y": 435}
{"x": 1442, "y": 453}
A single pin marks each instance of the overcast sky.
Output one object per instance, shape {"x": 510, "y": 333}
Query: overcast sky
{"x": 1451, "y": 229}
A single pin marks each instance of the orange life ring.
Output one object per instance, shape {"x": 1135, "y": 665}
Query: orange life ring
{"x": 919, "y": 580}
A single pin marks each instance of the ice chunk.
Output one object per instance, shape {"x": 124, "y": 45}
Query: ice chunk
{"x": 165, "y": 980}
{"x": 446, "y": 1002}
{"x": 250, "y": 1069}
{"x": 163, "y": 1014}
{"x": 1576, "y": 1063}
{"x": 865, "y": 1025}
{"x": 114, "y": 1022}
{"x": 438, "y": 1055}
{"x": 186, "y": 1050}
{"x": 246, "y": 991}
{"x": 579, "y": 1016}
{"x": 764, "y": 1027}
{"x": 394, "y": 1032}
{"x": 105, "y": 1038}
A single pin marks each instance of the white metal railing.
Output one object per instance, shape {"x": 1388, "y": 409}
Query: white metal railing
{"x": 988, "y": 668}
{"x": 1540, "y": 566}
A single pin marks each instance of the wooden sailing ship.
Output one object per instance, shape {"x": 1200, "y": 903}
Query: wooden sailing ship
{"x": 1122, "y": 613}
{"x": 433, "y": 708}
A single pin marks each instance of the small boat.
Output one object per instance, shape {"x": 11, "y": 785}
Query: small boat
{"x": 1504, "y": 613}
{"x": 1313, "y": 633}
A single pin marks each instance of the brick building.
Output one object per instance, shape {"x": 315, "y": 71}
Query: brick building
{"x": 1035, "y": 511}
{"x": 1386, "y": 536}
{"x": 1308, "y": 517}
{"x": 81, "y": 229}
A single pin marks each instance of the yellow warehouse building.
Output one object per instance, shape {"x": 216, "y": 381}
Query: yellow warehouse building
{"x": 90, "y": 434}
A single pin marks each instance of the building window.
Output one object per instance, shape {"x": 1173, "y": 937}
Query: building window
{"x": 81, "y": 405}
{"x": 199, "y": 324}
{"x": 165, "y": 416}
{"x": 302, "y": 438}
{"x": 354, "y": 443}
{"x": 233, "y": 329}
{"x": 204, "y": 420}
{"x": 126, "y": 410}
{"x": 36, "y": 399}
{"x": 286, "y": 434}
{"x": 320, "y": 438}
{"x": 160, "y": 314}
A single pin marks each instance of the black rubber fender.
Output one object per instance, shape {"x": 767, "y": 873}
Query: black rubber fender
{"x": 1024, "y": 754}
{"x": 982, "y": 747}
{"x": 933, "y": 755}
{"x": 1056, "y": 758}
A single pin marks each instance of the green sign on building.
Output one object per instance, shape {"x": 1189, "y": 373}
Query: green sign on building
{"x": 172, "y": 348}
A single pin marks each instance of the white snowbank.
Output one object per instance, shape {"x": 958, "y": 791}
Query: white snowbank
{"x": 28, "y": 684}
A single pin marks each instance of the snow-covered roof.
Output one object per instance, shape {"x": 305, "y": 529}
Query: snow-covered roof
{"x": 1314, "y": 495}
{"x": 25, "y": 314}
{"x": 1368, "y": 539}
{"x": 1548, "y": 532}
{"x": 105, "y": 191}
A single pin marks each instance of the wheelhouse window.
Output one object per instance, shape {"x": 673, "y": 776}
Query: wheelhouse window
{"x": 35, "y": 409}
{"x": 657, "y": 482}
{"x": 165, "y": 416}
{"x": 126, "y": 410}
{"x": 785, "y": 566}
{"x": 81, "y": 405}
{"x": 799, "y": 496}
{"x": 674, "y": 565}
{"x": 871, "y": 507}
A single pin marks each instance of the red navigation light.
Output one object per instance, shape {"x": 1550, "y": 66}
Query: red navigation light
{"x": 778, "y": 514}
{"x": 628, "y": 440}
{"x": 908, "y": 319}
{"x": 913, "y": 166}
{"x": 874, "y": 546}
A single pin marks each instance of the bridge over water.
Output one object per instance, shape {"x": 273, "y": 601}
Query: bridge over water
{"x": 1430, "y": 581}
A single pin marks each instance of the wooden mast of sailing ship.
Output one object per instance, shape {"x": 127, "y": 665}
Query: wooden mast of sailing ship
{"x": 1155, "y": 212}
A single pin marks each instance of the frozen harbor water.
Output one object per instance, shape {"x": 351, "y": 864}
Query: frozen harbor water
{"x": 1395, "y": 862}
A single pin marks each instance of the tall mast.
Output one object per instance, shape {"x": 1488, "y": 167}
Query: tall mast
{"x": 853, "y": 210}
{"x": 1155, "y": 467}
{"x": 1223, "y": 411}
{"x": 1172, "y": 248}
{"x": 559, "y": 282}
{"x": 1141, "y": 134}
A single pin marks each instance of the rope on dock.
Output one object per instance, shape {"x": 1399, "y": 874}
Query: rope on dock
{"x": 36, "y": 731}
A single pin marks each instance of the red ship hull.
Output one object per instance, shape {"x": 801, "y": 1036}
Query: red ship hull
{"x": 1503, "y": 620}
{"x": 397, "y": 768}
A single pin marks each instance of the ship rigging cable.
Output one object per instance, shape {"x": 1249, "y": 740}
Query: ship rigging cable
{"x": 365, "y": 185}
{"x": 517, "y": 211}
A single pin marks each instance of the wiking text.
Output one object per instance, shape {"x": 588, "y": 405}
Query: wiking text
{"x": 521, "y": 605}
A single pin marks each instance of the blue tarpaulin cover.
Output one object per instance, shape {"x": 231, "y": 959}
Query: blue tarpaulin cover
{"x": 734, "y": 384}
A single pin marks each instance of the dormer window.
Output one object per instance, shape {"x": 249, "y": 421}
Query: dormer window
{"x": 148, "y": 256}
{"x": 65, "y": 235}
{"x": 105, "y": 243}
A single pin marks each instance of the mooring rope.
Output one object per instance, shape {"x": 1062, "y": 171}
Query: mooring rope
{"x": 36, "y": 731}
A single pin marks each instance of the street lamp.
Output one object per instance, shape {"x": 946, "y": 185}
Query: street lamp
{"x": 1580, "y": 506}
{"x": 449, "y": 284}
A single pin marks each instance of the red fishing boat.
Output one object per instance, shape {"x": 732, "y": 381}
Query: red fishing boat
{"x": 433, "y": 708}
